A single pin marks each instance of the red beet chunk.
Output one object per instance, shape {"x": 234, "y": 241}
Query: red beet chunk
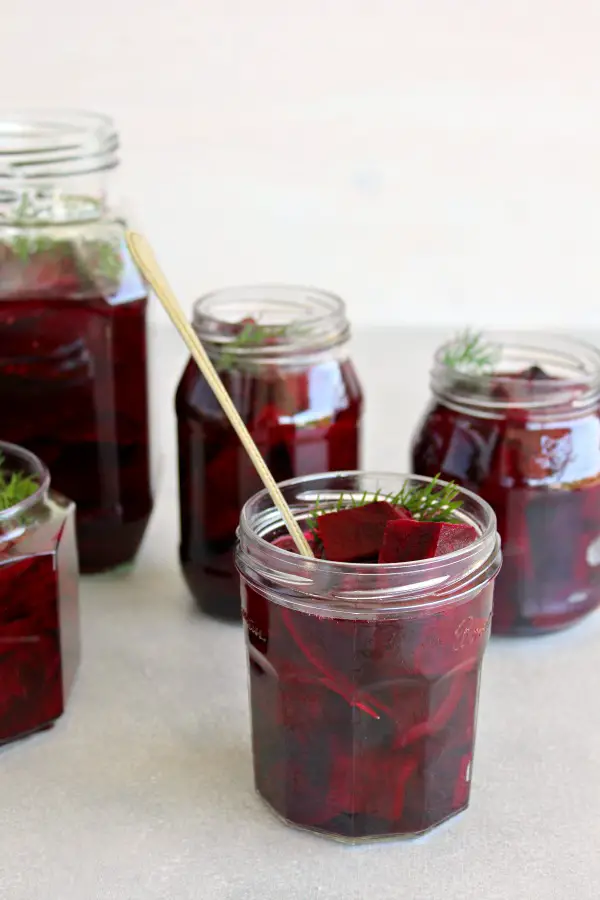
{"x": 535, "y": 373}
{"x": 406, "y": 540}
{"x": 356, "y": 534}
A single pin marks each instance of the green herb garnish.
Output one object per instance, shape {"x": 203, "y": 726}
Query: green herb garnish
{"x": 430, "y": 503}
{"x": 95, "y": 258}
{"x": 15, "y": 487}
{"x": 251, "y": 335}
{"x": 470, "y": 353}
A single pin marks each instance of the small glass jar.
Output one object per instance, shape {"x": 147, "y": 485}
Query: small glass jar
{"x": 73, "y": 348}
{"x": 363, "y": 678}
{"x": 296, "y": 389}
{"x": 530, "y": 446}
{"x": 39, "y": 613}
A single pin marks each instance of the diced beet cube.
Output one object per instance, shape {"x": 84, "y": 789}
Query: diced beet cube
{"x": 407, "y": 540}
{"x": 454, "y": 536}
{"x": 354, "y": 535}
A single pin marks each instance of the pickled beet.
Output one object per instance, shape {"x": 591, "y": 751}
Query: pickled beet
{"x": 540, "y": 471}
{"x": 405, "y": 540}
{"x": 352, "y": 535}
{"x": 364, "y": 728}
{"x": 39, "y": 622}
{"x": 304, "y": 419}
{"x": 73, "y": 389}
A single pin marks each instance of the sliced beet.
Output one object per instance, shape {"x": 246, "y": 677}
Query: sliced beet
{"x": 356, "y": 534}
{"x": 407, "y": 540}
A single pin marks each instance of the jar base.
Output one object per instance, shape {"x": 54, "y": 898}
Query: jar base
{"x": 109, "y": 546}
{"x": 362, "y": 839}
{"x": 217, "y": 596}
{"x": 526, "y": 630}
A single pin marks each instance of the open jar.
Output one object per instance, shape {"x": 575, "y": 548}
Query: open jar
{"x": 363, "y": 678}
{"x": 522, "y": 429}
{"x": 282, "y": 353}
{"x": 73, "y": 349}
{"x": 39, "y": 614}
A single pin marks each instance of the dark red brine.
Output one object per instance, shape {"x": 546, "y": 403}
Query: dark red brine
{"x": 39, "y": 616}
{"x": 523, "y": 432}
{"x": 281, "y": 353}
{"x": 363, "y": 685}
{"x": 73, "y": 339}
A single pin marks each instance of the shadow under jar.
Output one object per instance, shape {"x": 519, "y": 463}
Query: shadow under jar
{"x": 525, "y": 435}
{"x": 363, "y": 678}
{"x": 73, "y": 347}
{"x": 283, "y": 357}
{"x": 39, "y": 613}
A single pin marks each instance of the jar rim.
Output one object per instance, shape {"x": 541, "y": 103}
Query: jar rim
{"x": 298, "y": 318}
{"x": 574, "y": 365}
{"x": 36, "y": 468}
{"x": 392, "y": 587}
{"x": 42, "y": 145}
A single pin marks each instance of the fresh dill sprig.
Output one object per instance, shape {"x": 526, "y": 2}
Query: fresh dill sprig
{"x": 430, "y": 503}
{"x": 15, "y": 487}
{"x": 468, "y": 352}
{"x": 97, "y": 257}
{"x": 252, "y": 334}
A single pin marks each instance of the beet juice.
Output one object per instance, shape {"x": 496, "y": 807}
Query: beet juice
{"x": 516, "y": 419}
{"x": 39, "y": 620}
{"x": 282, "y": 355}
{"x": 364, "y": 675}
{"x": 73, "y": 347}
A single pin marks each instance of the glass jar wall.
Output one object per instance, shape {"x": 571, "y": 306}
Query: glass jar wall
{"x": 282, "y": 354}
{"x": 73, "y": 345}
{"x": 364, "y": 677}
{"x": 39, "y": 615}
{"x": 523, "y": 431}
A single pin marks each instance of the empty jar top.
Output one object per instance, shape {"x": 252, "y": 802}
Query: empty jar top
{"x": 360, "y": 590}
{"x": 270, "y": 321}
{"x": 497, "y": 376}
{"x": 51, "y": 165}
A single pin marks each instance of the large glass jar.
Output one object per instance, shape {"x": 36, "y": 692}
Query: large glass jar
{"x": 39, "y": 614}
{"x": 364, "y": 678}
{"x": 283, "y": 356}
{"x": 73, "y": 380}
{"x": 524, "y": 433}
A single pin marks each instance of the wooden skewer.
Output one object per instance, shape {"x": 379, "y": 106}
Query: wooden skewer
{"x": 146, "y": 261}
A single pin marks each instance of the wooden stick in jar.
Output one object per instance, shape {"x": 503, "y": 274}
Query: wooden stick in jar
{"x": 146, "y": 261}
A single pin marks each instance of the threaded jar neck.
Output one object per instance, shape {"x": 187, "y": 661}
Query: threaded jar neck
{"x": 53, "y": 165}
{"x": 266, "y": 323}
{"x": 566, "y": 375}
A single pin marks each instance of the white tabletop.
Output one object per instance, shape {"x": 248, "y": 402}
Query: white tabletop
{"x": 144, "y": 788}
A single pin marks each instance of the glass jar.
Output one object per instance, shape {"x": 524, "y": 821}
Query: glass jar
{"x": 363, "y": 677}
{"x": 39, "y": 614}
{"x": 292, "y": 382}
{"x": 530, "y": 445}
{"x": 73, "y": 380}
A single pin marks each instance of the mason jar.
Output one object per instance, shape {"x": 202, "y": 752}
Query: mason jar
{"x": 73, "y": 346}
{"x": 282, "y": 352}
{"x": 524, "y": 433}
{"x": 39, "y": 614}
{"x": 363, "y": 678}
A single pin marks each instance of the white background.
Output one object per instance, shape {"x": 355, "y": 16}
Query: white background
{"x": 435, "y": 162}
